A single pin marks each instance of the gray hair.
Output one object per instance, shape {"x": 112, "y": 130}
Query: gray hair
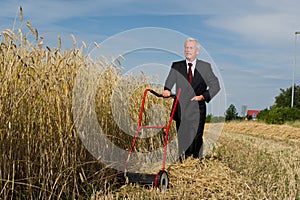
{"x": 194, "y": 40}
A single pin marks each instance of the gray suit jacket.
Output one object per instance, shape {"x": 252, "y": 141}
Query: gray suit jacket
{"x": 204, "y": 83}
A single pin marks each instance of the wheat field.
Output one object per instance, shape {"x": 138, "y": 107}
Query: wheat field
{"x": 42, "y": 156}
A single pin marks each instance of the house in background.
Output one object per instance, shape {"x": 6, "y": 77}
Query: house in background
{"x": 253, "y": 113}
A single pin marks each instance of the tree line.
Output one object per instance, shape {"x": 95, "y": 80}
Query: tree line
{"x": 279, "y": 113}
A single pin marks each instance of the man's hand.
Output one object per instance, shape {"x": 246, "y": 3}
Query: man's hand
{"x": 166, "y": 93}
{"x": 198, "y": 98}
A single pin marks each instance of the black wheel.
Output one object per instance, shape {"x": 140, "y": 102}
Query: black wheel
{"x": 163, "y": 180}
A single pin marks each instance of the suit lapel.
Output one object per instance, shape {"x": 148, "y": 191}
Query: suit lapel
{"x": 196, "y": 72}
{"x": 183, "y": 70}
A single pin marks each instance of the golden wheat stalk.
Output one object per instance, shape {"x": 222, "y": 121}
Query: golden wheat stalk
{"x": 28, "y": 24}
{"x": 21, "y": 14}
{"x": 74, "y": 40}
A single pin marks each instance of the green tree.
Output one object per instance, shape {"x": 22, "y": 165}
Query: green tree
{"x": 285, "y": 96}
{"x": 231, "y": 113}
{"x": 263, "y": 114}
{"x": 279, "y": 115}
{"x": 281, "y": 111}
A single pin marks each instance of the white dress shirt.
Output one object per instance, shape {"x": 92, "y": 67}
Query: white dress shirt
{"x": 193, "y": 67}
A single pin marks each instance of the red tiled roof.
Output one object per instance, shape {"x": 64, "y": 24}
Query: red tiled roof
{"x": 253, "y": 113}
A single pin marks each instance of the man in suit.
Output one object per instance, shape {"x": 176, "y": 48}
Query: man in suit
{"x": 198, "y": 86}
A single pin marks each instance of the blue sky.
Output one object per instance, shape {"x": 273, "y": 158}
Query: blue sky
{"x": 251, "y": 42}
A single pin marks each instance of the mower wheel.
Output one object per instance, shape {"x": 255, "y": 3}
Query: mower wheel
{"x": 163, "y": 180}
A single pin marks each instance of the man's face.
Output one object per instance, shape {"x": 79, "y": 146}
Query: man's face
{"x": 191, "y": 50}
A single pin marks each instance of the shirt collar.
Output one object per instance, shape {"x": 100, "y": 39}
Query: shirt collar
{"x": 194, "y": 62}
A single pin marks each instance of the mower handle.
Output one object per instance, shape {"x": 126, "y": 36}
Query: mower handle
{"x": 160, "y": 95}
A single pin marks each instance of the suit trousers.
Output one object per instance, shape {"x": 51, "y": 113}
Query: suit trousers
{"x": 190, "y": 134}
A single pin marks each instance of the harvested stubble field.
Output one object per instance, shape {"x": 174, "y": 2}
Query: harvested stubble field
{"x": 253, "y": 161}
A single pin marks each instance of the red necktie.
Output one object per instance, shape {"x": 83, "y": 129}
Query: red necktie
{"x": 190, "y": 75}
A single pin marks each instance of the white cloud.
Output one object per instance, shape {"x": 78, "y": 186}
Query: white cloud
{"x": 261, "y": 29}
{"x": 265, "y": 22}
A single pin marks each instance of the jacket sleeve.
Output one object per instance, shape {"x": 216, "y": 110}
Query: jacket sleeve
{"x": 211, "y": 81}
{"x": 171, "y": 79}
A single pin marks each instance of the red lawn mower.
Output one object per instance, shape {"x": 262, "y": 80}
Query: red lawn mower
{"x": 161, "y": 178}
